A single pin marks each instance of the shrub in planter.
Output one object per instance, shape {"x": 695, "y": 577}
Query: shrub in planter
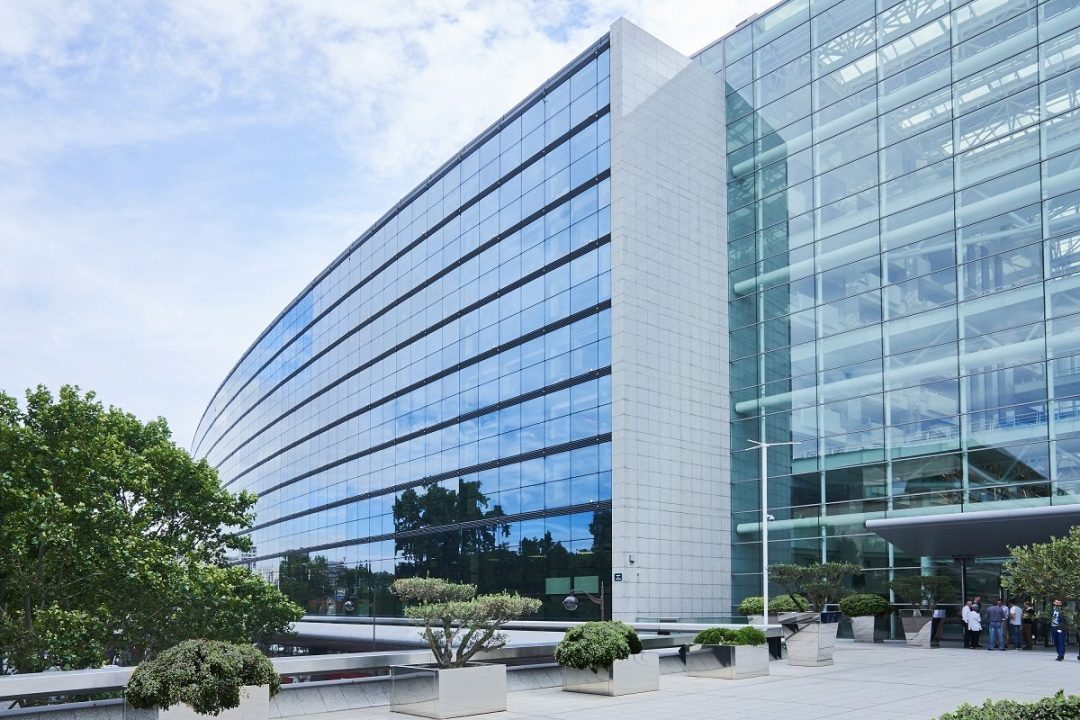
{"x": 1050, "y": 708}
{"x": 864, "y": 605}
{"x": 596, "y": 645}
{"x": 867, "y": 613}
{"x": 606, "y": 658}
{"x": 206, "y": 674}
{"x": 755, "y": 604}
{"x": 458, "y": 623}
{"x": 923, "y": 593}
{"x": 728, "y": 654}
{"x": 726, "y": 636}
{"x": 811, "y": 636}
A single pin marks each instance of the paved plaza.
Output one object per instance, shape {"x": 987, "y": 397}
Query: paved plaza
{"x": 882, "y": 682}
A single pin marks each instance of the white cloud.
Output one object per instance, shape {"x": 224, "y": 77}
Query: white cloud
{"x": 172, "y": 174}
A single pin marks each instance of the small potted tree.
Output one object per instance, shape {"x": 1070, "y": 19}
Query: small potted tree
{"x": 606, "y": 658}
{"x": 922, "y": 593}
{"x": 458, "y": 624}
{"x": 866, "y": 613}
{"x": 811, "y": 635}
{"x": 205, "y": 677}
{"x": 729, "y": 654}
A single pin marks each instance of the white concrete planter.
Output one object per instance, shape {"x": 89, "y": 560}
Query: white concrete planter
{"x": 729, "y": 662}
{"x": 867, "y": 629}
{"x": 636, "y": 674}
{"x": 254, "y": 705}
{"x": 430, "y": 691}
{"x": 918, "y": 628}
{"x": 812, "y": 639}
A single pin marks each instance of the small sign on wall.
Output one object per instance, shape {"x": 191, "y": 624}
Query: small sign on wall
{"x": 618, "y": 577}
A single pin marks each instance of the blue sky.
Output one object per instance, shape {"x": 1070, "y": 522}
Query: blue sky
{"x": 173, "y": 173}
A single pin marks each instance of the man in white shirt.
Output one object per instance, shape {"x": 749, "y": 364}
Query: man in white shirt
{"x": 965, "y": 613}
{"x": 1016, "y": 619}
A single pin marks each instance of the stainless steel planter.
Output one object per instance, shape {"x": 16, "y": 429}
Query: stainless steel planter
{"x": 254, "y": 705}
{"x": 433, "y": 692}
{"x": 867, "y": 629}
{"x": 636, "y": 674}
{"x": 919, "y": 627}
{"x": 812, "y": 637}
{"x": 730, "y": 662}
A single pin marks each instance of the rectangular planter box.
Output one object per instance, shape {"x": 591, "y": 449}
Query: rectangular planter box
{"x": 919, "y": 628}
{"x": 730, "y": 662}
{"x": 812, "y": 637}
{"x": 429, "y": 691}
{"x": 636, "y": 674}
{"x": 868, "y": 629}
{"x": 254, "y": 705}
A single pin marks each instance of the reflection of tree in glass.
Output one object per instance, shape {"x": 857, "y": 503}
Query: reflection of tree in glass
{"x": 441, "y": 554}
{"x": 320, "y": 586}
{"x": 304, "y": 579}
{"x": 368, "y": 591}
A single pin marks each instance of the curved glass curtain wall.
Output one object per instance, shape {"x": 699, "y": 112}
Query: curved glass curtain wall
{"x": 437, "y": 402}
{"x": 904, "y": 226}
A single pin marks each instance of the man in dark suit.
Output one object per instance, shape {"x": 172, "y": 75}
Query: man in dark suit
{"x": 1059, "y": 629}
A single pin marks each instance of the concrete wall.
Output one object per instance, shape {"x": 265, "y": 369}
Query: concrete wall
{"x": 670, "y": 483}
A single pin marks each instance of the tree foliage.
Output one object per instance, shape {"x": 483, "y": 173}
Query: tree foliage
{"x": 205, "y": 674}
{"x": 443, "y": 554}
{"x": 1058, "y": 706}
{"x": 115, "y": 541}
{"x": 923, "y": 590}
{"x": 595, "y": 645}
{"x": 818, "y": 582}
{"x": 745, "y": 635}
{"x": 457, "y": 623}
{"x": 755, "y": 604}
{"x": 864, "y": 605}
{"x": 1045, "y": 570}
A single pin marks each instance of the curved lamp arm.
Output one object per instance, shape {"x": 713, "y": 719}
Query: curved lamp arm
{"x": 598, "y": 600}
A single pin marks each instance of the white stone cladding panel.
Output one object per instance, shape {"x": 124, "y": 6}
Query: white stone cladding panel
{"x": 671, "y": 517}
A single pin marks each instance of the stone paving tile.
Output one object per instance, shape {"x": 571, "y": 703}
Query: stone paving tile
{"x": 881, "y": 682}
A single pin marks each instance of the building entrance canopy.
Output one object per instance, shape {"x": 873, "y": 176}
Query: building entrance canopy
{"x": 986, "y": 533}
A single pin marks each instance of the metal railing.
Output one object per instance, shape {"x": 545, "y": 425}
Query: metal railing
{"x": 655, "y": 636}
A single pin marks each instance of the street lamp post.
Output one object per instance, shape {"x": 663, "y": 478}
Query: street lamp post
{"x": 570, "y": 602}
{"x": 765, "y": 517}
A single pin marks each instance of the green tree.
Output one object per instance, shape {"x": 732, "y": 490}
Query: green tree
{"x": 923, "y": 590}
{"x": 1045, "y": 570}
{"x": 818, "y": 582}
{"x": 458, "y": 623}
{"x": 115, "y": 541}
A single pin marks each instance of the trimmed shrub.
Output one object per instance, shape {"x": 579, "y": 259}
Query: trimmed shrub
{"x": 864, "y": 605}
{"x": 923, "y": 590}
{"x": 594, "y": 645}
{"x": 1057, "y": 707}
{"x": 458, "y": 623}
{"x": 205, "y": 674}
{"x": 754, "y": 604}
{"x": 726, "y": 636}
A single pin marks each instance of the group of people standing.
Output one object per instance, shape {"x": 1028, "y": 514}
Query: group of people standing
{"x": 1011, "y": 624}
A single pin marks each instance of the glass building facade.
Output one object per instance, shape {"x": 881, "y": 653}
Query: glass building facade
{"x": 438, "y": 401}
{"x": 903, "y": 244}
{"x": 512, "y": 378}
